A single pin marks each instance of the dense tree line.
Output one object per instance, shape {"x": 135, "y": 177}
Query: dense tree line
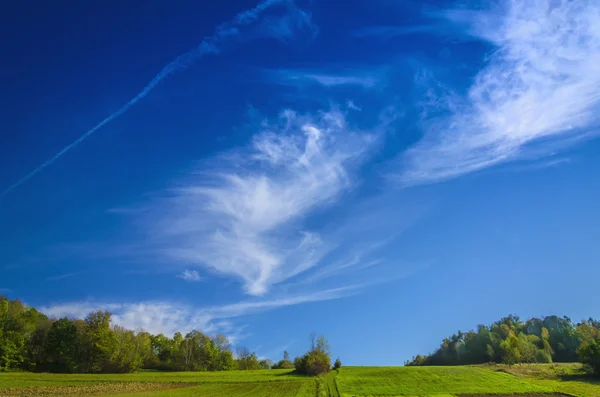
{"x": 31, "y": 341}
{"x": 511, "y": 340}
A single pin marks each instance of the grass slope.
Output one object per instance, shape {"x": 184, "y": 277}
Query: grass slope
{"x": 519, "y": 380}
{"x": 563, "y": 378}
{"x": 430, "y": 381}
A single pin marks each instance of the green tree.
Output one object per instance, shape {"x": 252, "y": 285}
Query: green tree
{"x": 246, "y": 360}
{"x": 589, "y": 355}
{"x": 509, "y": 349}
{"x": 337, "y": 364}
{"x": 126, "y": 355}
{"x": 143, "y": 341}
{"x": 224, "y": 359}
{"x": 264, "y": 364}
{"x": 62, "y": 346}
{"x": 36, "y": 346}
{"x": 11, "y": 339}
{"x": 97, "y": 342}
{"x": 18, "y": 324}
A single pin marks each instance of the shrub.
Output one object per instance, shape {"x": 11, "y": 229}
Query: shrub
{"x": 337, "y": 364}
{"x": 284, "y": 364}
{"x": 317, "y": 361}
{"x": 313, "y": 363}
{"x": 542, "y": 357}
{"x": 589, "y": 355}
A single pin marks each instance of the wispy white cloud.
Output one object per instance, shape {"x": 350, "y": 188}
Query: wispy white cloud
{"x": 169, "y": 317}
{"x": 327, "y": 78}
{"x": 190, "y": 275}
{"x": 356, "y": 260}
{"x": 366, "y": 235}
{"x": 5, "y": 290}
{"x": 539, "y": 91}
{"x": 352, "y": 106}
{"x": 152, "y": 316}
{"x": 244, "y": 214}
{"x": 250, "y": 307}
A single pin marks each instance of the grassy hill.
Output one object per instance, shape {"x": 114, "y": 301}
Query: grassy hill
{"x": 425, "y": 381}
{"x": 519, "y": 380}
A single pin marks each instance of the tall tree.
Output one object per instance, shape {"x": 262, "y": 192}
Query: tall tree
{"x": 98, "y": 342}
{"x": 62, "y": 348}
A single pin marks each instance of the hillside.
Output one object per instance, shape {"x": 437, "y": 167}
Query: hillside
{"x": 489, "y": 380}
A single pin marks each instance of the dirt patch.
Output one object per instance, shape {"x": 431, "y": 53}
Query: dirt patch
{"x": 90, "y": 389}
{"x": 516, "y": 395}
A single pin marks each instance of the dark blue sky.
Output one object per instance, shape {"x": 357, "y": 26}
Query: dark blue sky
{"x": 381, "y": 173}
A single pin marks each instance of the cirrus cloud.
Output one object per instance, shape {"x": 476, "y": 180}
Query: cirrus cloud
{"x": 244, "y": 213}
{"x": 537, "y": 93}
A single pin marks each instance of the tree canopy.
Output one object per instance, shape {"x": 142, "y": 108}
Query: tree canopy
{"x": 511, "y": 340}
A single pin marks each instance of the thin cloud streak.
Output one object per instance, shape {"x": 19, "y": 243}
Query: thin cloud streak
{"x": 325, "y": 78}
{"x": 227, "y": 32}
{"x": 539, "y": 92}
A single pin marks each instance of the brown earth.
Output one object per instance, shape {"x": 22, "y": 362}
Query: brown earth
{"x": 517, "y": 395}
{"x": 93, "y": 389}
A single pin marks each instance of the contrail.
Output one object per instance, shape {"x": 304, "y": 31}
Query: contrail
{"x": 209, "y": 45}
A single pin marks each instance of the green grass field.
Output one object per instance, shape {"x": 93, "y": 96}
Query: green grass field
{"x": 523, "y": 380}
{"x": 425, "y": 381}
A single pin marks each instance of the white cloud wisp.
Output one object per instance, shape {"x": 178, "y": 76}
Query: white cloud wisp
{"x": 244, "y": 217}
{"x": 539, "y": 91}
{"x": 190, "y": 275}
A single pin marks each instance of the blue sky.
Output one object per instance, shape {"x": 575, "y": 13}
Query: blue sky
{"x": 383, "y": 173}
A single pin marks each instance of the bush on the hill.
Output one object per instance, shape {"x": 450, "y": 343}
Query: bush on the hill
{"x": 246, "y": 360}
{"x": 317, "y": 361}
{"x": 265, "y": 364}
{"x": 313, "y": 363}
{"x": 543, "y": 357}
{"x": 337, "y": 364}
{"x": 589, "y": 355}
{"x": 285, "y": 363}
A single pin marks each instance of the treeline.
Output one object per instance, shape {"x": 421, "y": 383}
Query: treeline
{"x": 30, "y": 341}
{"x": 511, "y": 340}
